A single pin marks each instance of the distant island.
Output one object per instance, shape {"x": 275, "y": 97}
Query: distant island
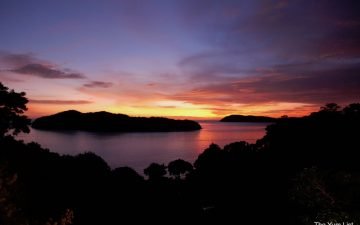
{"x": 110, "y": 122}
{"x": 242, "y": 118}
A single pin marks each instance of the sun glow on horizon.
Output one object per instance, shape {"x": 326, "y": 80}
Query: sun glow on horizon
{"x": 178, "y": 109}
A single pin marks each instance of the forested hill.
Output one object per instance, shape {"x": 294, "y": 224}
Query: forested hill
{"x": 109, "y": 122}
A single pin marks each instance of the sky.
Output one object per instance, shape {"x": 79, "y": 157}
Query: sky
{"x": 185, "y": 58}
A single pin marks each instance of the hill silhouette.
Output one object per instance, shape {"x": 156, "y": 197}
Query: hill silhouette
{"x": 248, "y": 118}
{"x": 110, "y": 122}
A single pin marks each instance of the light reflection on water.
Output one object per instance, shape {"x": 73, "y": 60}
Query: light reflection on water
{"x": 138, "y": 150}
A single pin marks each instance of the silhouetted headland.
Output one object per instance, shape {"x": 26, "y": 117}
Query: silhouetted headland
{"x": 109, "y": 122}
{"x": 253, "y": 119}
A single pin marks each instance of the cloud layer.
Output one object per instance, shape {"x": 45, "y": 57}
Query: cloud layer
{"x": 316, "y": 87}
{"x": 98, "y": 84}
{"x": 47, "y": 72}
{"x": 279, "y": 52}
{"x": 218, "y": 57}
{"x": 60, "y": 102}
{"x": 28, "y": 64}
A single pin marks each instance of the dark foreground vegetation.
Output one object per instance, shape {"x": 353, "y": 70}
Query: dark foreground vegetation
{"x": 110, "y": 122}
{"x": 252, "y": 119}
{"x": 304, "y": 170}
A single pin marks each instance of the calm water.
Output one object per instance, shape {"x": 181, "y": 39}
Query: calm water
{"x": 138, "y": 150}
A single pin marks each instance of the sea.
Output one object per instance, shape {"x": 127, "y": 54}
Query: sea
{"x": 138, "y": 150}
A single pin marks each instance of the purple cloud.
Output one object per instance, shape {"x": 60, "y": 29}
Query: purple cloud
{"x": 16, "y": 60}
{"x": 280, "y": 51}
{"x": 98, "y": 84}
{"x": 47, "y": 72}
{"x": 28, "y": 64}
{"x": 60, "y": 102}
{"x": 287, "y": 84}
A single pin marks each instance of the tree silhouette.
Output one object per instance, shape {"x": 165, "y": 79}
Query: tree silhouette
{"x": 12, "y": 106}
{"x": 210, "y": 158}
{"x": 352, "y": 109}
{"x": 155, "y": 171}
{"x": 179, "y": 167}
{"x": 126, "y": 175}
{"x": 330, "y": 107}
{"x": 9, "y": 213}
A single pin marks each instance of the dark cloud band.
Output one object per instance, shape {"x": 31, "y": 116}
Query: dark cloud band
{"x": 47, "y": 72}
{"x": 60, "y": 102}
{"x": 98, "y": 84}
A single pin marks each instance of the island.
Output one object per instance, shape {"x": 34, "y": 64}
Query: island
{"x": 253, "y": 119}
{"x": 110, "y": 122}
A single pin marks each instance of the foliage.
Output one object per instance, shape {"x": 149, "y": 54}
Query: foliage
{"x": 179, "y": 167}
{"x": 12, "y": 108}
{"x": 9, "y": 213}
{"x": 155, "y": 171}
{"x": 330, "y": 107}
{"x": 109, "y": 122}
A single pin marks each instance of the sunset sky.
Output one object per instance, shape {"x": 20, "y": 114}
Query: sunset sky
{"x": 181, "y": 58}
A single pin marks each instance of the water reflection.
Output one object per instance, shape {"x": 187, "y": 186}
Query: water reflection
{"x": 138, "y": 150}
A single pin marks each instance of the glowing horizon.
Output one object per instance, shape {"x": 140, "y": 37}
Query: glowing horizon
{"x": 37, "y": 110}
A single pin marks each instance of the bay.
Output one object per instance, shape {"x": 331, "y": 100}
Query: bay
{"x": 138, "y": 150}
